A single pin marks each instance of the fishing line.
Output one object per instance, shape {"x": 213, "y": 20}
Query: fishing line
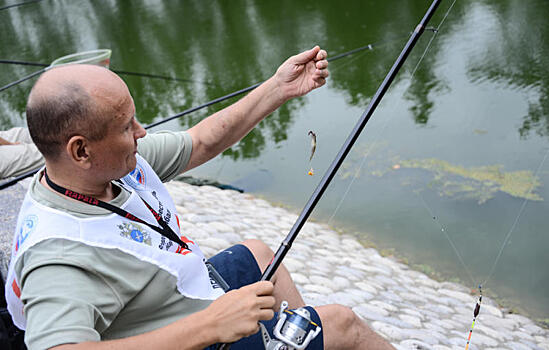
{"x": 13, "y": 181}
{"x": 514, "y": 225}
{"x": 19, "y": 4}
{"x": 120, "y": 72}
{"x": 444, "y": 231}
{"x": 386, "y": 120}
{"x": 361, "y": 49}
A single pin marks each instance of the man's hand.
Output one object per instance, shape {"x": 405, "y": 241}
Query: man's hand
{"x": 237, "y": 313}
{"x": 4, "y": 142}
{"x": 302, "y": 73}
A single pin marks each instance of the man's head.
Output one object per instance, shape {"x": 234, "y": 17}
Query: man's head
{"x": 84, "y": 115}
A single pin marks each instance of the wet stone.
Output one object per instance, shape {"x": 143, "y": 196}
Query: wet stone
{"x": 406, "y": 306}
{"x": 391, "y": 331}
{"x": 366, "y": 287}
{"x": 414, "y": 321}
{"x": 299, "y": 278}
{"x": 322, "y": 281}
{"x": 318, "y": 289}
{"x": 341, "y": 283}
{"x": 518, "y": 346}
{"x": 415, "y": 344}
{"x": 214, "y": 243}
{"x": 384, "y": 305}
{"x": 362, "y": 295}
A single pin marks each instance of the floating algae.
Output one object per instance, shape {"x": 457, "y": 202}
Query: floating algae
{"x": 450, "y": 180}
{"x": 480, "y": 183}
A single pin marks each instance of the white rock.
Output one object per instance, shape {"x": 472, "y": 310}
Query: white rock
{"x": 415, "y": 345}
{"x": 466, "y": 298}
{"x": 441, "y": 347}
{"x": 414, "y": 321}
{"x": 322, "y": 281}
{"x": 413, "y": 312}
{"x": 392, "y": 332}
{"x": 518, "y": 346}
{"x": 340, "y": 283}
{"x": 533, "y": 329}
{"x": 299, "y": 278}
{"x": 293, "y": 265}
{"x": 413, "y": 297}
{"x": 523, "y": 335}
{"x": 519, "y": 318}
{"x": 366, "y": 287}
{"x": 369, "y": 310}
{"x": 214, "y": 243}
{"x": 483, "y": 340}
{"x": 384, "y": 305}
{"x": 360, "y": 294}
{"x": 318, "y": 289}
{"x": 492, "y": 310}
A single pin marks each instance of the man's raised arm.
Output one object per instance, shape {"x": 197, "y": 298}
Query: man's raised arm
{"x": 297, "y": 76}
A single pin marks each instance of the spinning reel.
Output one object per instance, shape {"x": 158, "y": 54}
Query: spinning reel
{"x": 294, "y": 330}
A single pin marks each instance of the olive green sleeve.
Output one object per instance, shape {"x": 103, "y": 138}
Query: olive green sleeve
{"x": 73, "y": 293}
{"x": 167, "y": 152}
{"x": 64, "y": 301}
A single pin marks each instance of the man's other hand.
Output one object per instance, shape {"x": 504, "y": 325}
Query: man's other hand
{"x": 237, "y": 313}
{"x": 302, "y": 73}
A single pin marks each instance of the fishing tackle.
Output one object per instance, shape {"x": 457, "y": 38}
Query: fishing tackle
{"x": 313, "y": 149}
{"x": 294, "y": 330}
{"x": 475, "y": 314}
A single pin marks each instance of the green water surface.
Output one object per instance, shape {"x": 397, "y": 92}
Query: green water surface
{"x": 454, "y": 153}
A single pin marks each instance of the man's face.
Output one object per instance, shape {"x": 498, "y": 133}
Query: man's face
{"x": 114, "y": 155}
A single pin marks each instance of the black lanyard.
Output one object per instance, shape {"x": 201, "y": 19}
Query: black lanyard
{"x": 165, "y": 230}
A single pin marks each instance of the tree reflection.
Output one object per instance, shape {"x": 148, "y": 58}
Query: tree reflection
{"x": 520, "y": 59}
{"x": 226, "y": 46}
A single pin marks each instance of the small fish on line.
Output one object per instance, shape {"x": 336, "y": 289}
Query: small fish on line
{"x": 313, "y": 149}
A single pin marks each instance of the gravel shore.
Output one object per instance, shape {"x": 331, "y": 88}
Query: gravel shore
{"x": 407, "y": 307}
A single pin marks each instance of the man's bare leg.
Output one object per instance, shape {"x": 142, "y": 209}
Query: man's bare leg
{"x": 343, "y": 329}
{"x": 284, "y": 286}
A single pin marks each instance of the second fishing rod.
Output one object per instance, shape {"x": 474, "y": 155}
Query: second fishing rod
{"x": 29, "y": 173}
{"x": 345, "y": 149}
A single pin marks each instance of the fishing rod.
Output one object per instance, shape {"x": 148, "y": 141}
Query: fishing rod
{"x": 19, "y": 4}
{"x": 193, "y": 109}
{"x": 120, "y": 72}
{"x": 156, "y": 76}
{"x": 355, "y": 133}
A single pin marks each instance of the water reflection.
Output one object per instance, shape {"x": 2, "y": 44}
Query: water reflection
{"x": 516, "y": 55}
{"x": 482, "y": 84}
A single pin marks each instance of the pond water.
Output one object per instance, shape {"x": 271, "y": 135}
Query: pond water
{"x": 451, "y": 171}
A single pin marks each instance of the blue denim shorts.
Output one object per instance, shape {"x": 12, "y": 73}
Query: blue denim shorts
{"x": 239, "y": 268}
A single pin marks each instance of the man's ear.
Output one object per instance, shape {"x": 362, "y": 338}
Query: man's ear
{"x": 78, "y": 151}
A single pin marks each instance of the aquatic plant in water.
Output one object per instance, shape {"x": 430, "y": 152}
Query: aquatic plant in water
{"x": 480, "y": 183}
{"x": 450, "y": 180}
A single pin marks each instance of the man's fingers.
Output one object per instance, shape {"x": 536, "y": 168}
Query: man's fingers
{"x": 321, "y": 64}
{"x": 266, "y": 314}
{"x": 263, "y": 288}
{"x": 306, "y": 56}
{"x": 319, "y": 82}
{"x": 321, "y": 55}
{"x": 267, "y": 302}
{"x": 321, "y": 73}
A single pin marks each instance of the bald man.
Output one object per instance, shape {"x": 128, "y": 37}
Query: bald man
{"x": 98, "y": 259}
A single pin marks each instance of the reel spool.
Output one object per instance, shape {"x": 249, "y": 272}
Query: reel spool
{"x": 294, "y": 330}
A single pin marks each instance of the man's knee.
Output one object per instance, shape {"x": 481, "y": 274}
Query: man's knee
{"x": 342, "y": 328}
{"x": 344, "y": 318}
{"x": 261, "y": 252}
